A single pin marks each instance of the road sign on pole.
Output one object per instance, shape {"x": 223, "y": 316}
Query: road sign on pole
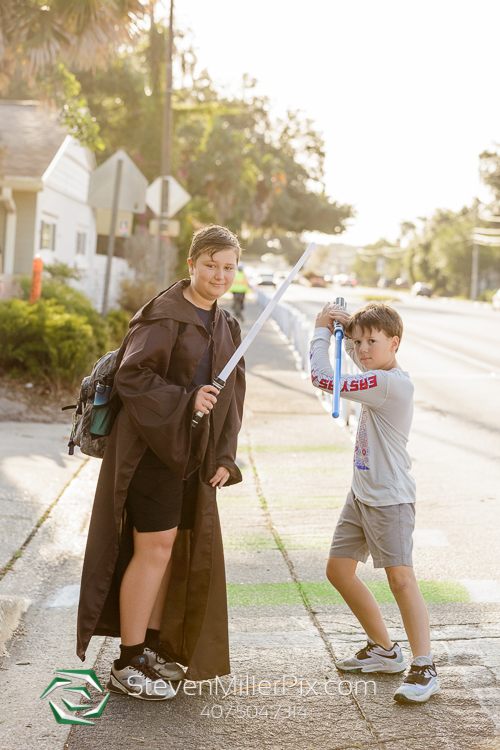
{"x": 177, "y": 196}
{"x": 111, "y": 238}
{"x": 117, "y": 184}
{"x": 132, "y": 191}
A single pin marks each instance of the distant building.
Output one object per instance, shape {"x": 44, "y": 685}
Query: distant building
{"x": 44, "y": 179}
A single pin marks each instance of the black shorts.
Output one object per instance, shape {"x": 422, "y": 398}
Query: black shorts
{"x": 157, "y": 499}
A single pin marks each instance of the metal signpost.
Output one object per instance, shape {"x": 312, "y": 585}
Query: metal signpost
{"x": 117, "y": 184}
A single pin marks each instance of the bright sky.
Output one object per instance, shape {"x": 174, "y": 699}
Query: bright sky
{"x": 405, "y": 94}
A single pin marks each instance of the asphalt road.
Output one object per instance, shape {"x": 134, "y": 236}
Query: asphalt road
{"x": 452, "y": 352}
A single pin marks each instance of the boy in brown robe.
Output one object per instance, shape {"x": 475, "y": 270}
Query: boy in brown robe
{"x": 154, "y": 568}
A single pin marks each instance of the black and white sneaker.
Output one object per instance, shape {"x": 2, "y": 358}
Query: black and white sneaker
{"x": 374, "y": 658}
{"x": 139, "y": 680}
{"x": 163, "y": 663}
{"x": 420, "y": 682}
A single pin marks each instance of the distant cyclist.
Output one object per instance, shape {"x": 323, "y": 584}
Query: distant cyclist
{"x": 239, "y": 288}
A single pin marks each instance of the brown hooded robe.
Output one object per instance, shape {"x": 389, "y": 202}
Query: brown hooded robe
{"x": 159, "y": 358}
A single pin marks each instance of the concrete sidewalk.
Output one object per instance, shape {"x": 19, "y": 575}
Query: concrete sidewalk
{"x": 287, "y": 625}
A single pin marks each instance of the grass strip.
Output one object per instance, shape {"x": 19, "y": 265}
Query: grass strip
{"x": 276, "y": 594}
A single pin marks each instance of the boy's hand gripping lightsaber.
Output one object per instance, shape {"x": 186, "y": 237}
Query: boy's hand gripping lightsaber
{"x": 220, "y": 381}
{"x": 338, "y": 332}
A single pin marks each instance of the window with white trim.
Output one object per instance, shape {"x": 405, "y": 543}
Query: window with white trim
{"x": 81, "y": 242}
{"x": 47, "y": 236}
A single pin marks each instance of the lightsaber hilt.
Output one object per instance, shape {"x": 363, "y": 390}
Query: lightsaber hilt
{"x": 338, "y": 331}
{"x": 217, "y": 383}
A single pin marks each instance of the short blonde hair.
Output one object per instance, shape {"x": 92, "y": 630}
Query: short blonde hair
{"x": 211, "y": 240}
{"x": 379, "y": 316}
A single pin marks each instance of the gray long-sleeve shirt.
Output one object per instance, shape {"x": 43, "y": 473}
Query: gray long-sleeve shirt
{"x": 381, "y": 474}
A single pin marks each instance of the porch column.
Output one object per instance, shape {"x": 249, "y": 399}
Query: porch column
{"x": 10, "y": 230}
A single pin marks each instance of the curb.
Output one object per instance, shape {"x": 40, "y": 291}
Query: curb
{"x": 12, "y": 608}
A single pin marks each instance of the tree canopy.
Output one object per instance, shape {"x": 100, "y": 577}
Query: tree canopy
{"x": 243, "y": 168}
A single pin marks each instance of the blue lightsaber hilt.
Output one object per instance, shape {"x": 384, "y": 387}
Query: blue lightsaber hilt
{"x": 338, "y": 331}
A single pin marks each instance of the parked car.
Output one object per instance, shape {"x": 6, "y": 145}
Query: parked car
{"x": 345, "y": 280}
{"x": 318, "y": 281}
{"x": 402, "y": 284}
{"x": 266, "y": 279}
{"x": 495, "y": 300}
{"x": 384, "y": 282}
{"x": 421, "y": 289}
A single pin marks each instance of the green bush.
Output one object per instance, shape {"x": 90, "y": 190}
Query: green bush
{"x": 44, "y": 341}
{"x": 486, "y": 295}
{"x": 61, "y": 336}
{"x": 72, "y": 301}
{"x": 117, "y": 322}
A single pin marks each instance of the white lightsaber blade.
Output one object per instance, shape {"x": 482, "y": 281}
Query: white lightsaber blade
{"x": 220, "y": 380}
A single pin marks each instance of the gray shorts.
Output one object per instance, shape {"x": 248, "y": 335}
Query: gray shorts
{"x": 385, "y": 532}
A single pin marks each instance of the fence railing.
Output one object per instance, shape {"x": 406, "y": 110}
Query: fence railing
{"x": 298, "y": 330}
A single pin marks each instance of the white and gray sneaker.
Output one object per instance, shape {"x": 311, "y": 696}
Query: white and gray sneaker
{"x": 374, "y": 658}
{"x": 139, "y": 680}
{"x": 420, "y": 682}
{"x": 162, "y": 662}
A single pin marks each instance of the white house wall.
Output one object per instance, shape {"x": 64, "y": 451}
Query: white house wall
{"x": 70, "y": 170}
{"x": 120, "y": 270}
{"x": 63, "y": 202}
{"x": 69, "y": 216}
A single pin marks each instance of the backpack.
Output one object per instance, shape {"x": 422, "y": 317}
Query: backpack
{"x": 93, "y": 422}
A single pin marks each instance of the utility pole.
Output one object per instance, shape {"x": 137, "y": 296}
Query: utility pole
{"x": 475, "y": 256}
{"x": 111, "y": 238}
{"x": 166, "y": 161}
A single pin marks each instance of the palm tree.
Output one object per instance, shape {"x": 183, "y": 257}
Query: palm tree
{"x": 39, "y": 34}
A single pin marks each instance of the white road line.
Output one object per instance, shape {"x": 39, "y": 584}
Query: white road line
{"x": 452, "y": 353}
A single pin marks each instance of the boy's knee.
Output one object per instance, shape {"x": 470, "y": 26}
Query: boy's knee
{"x": 335, "y": 571}
{"x": 400, "y": 579}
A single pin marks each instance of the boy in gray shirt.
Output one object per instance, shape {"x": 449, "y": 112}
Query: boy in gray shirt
{"x": 379, "y": 514}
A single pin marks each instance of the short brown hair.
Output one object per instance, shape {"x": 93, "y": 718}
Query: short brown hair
{"x": 379, "y": 316}
{"x": 211, "y": 240}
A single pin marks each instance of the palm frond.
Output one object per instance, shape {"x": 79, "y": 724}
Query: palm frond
{"x": 81, "y": 31}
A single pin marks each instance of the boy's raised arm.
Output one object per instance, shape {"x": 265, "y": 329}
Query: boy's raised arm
{"x": 369, "y": 387}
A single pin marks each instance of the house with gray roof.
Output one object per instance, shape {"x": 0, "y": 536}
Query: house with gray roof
{"x": 44, "y": 182}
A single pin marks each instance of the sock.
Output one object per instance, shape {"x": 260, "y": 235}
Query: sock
{"x": 372, "y": 642}
{"x": 421, "y": 661}
{"x": 152, "y": 637}
{"x": 126, "y": 654}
